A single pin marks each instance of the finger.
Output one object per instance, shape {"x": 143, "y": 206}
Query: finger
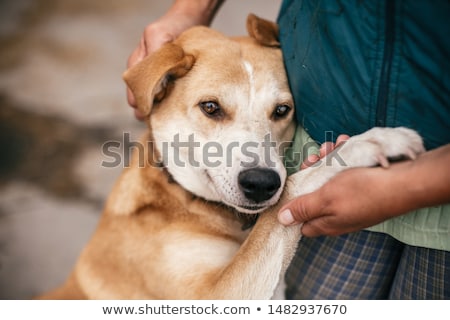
{"x": 313, "y": 229}
{"x": 341, "y": 139}
{"x": 313, "y": 158}
{"x": 143, "y": 45}
{"x": 153, "y": 42}
{"x": 132, "y": 102}
{"x": 325, "y": 226}
{"x": 137, "y": 55}
{"x": 326, "y": 148}
{"x": 131, "y": 99}
{"x": 300, "y": 210}
{"x": 139, "y": 115}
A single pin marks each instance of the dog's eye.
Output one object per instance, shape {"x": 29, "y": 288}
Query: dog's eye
{"x": 210, "y": 108}
{"x": 281, "y": 111}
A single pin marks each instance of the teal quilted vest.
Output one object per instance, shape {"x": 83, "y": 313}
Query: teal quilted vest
{"x": 353, "y": 65}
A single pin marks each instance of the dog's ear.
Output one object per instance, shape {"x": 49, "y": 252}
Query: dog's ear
{"x": 263, "y": 31}
{"x": 149, "y": 79}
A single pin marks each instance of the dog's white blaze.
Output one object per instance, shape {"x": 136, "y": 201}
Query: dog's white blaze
{"x": 251, "y": 81}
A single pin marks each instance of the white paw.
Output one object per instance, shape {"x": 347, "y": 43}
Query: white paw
{"x": 378, "y": 145}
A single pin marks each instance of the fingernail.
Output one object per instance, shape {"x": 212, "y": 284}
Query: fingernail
{"x": 285, "y": 217}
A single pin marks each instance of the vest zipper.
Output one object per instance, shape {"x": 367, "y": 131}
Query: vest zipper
{"x": 383, "y": 87}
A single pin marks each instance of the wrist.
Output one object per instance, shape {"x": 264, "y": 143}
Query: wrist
{"x": 427, "y": 178}
{"x": 389, "y": 190}
{"x": 198, "y": 12}
{"x": 403, "y": 192}
{"x": 413, "y": 185}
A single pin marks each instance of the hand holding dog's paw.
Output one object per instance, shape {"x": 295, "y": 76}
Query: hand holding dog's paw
{"x": 361, "y": 197}
{"x": 352, "y": 200}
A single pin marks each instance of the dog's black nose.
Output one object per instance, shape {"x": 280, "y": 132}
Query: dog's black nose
{"x": 259, "y": 184}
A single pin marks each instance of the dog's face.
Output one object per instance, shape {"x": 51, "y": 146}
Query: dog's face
{"x": 220, "y": 116}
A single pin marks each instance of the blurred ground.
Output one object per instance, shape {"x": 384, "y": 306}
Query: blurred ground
{"x": 61, "y": 98}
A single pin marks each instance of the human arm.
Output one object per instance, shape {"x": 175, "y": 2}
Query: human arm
{"x": 182, "y": 15}
{"x": 362, "y": 197}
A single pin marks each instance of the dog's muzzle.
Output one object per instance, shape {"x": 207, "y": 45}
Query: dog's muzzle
{"x": 259, "y": 184}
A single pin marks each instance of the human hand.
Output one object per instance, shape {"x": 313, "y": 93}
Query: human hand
{"x": 349, "y": 202}
{"x": 361, "y": 197}
{"x": 182, "y": 15}
{"x": 164, "y": 30}
{"x": 352, "y": 200}
{"x": 325, "y": 149}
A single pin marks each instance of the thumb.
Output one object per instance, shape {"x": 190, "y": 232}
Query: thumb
{"x": 300, "y": 210}
{"x": 154, "y": 42}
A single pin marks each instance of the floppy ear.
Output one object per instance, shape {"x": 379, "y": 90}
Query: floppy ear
{"x": 148, "y": 80}
{"x": 263, "y": 31}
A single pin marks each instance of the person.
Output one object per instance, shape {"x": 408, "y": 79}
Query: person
{"x": 369, "y": 233}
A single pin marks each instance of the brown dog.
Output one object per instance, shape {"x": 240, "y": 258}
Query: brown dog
{"x": 218, "y": 108}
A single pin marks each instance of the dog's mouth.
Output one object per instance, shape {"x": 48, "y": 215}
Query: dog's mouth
{"x": 251, "y": 209}
{"x": 244, "y": 207}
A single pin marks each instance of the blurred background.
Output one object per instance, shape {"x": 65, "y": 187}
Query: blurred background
{"x": 61, "y": 98}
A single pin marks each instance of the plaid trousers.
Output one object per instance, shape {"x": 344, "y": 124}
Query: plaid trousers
{"x": 367, "y": 265}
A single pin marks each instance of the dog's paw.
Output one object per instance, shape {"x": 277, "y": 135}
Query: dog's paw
{"x": 379, "y": 145}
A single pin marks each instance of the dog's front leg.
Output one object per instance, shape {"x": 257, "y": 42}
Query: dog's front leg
{"x": 255, "y": 270}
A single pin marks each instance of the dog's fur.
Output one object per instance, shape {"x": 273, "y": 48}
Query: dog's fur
{"x": 175, "y": 232}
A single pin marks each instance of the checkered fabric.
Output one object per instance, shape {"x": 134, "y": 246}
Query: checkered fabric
{"x": 422, "y": 274}
{"x": 367, "y": 265}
